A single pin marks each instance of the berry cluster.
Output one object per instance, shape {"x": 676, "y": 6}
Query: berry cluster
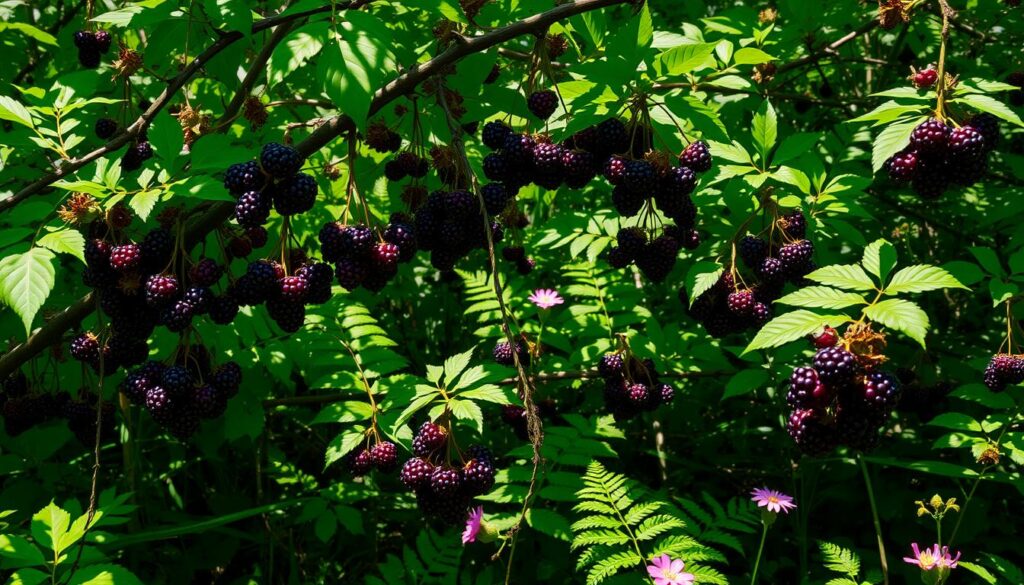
{"x": 516, "y": 255}
{"x": 841, "y": 398}
{"x": 180, "y": 395}
{"x": 285, "y": 294}
{"x": 785, "y": 255}
{"x": 272, "y": 182}
{"x": 443, "y": 489}
{"x": 939, "y": 156}
{"x": 382, "y": 456}
{"x": 1003, "y": 370}
{"x": 91, "y": 45}
{"x": 503, "y": 353}
{"x": 22, "y": 409}
{"x": 364, "y": 258}
{"x": 449, "y": 225}
{"x": 631, "y": 385}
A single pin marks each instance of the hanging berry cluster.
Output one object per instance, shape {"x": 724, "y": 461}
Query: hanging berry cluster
{"x": 363, "y": 257}
{"x": 450, "y": 225}
{"x": 843, "y": 397}
{"x": 1003, "y": 370}
{"x": 940, "y": 156}
{"x": 443, "y": 478}
{"x": 91, "y": 46}
{"x": 631, "y": 385}
{"x": 22, "y": 408}
{"x": 736, "y": 303}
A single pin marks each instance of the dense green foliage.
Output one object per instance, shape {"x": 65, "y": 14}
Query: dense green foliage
{"x": 803, "y": 105}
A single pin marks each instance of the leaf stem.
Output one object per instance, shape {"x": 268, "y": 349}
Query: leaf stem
{"x": 874, "y": 518}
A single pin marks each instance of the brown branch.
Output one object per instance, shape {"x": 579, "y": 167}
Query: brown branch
{"x": 255, "y": 72}
{"x": 829, "y": 48}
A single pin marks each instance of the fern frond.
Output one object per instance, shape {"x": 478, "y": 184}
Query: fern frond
{"x": 612, "y": 564}
{"x": 839, "y": 559}
{"x": 656, "y": 525}
{"x": 640, "y": 511}
{"x": 591, "y": 537}
{"x": 591, "y": 522}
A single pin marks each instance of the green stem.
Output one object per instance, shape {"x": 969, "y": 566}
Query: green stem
{"x": 760, "y": 549}
{"x": 874, "y": 517}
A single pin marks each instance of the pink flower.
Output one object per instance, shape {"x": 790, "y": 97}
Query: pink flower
{"x": 668, "y": 571}
{"x": 473, "y": 522}
{"x": 931, "y": 558}
{"x": 772, "y": 500}
{"x": 546, "y": 298}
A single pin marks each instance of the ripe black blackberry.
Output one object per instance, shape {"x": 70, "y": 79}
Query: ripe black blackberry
{"x": 227, "y": 378}
{"x": 794, "y": 224}
{"x": 401, "y": 234}
{"x": 741, "y": 302}
{"x": 503, "y": 353}
{"x": 796, "y": 258}
{"x": 223, "y": 309}
{"x": 771, "y": 270}
{"x": 513, "y": 253}
{"x": 525, "y": 265}
{"x": 542, "y": 103}
{"x": 176, "y": 380}
{"x": 902, "y": 166}
{"x": 753, "y": 250}
{"x": 580, "y": 168}
{"x": 103, "y": 40}
{"x": 518, "y": 151}
{"x": 357, "y": 241}
{"x": 318, "y": 277}
{"x": 930, "y": 136}
{"x": 252, "y": 209}
{"x": 416, "y": 473}
{"x": 243, "y": 177}
{"x": 125, "y": 257}
{"x": 639, "y": 176}
{"x": 206, "y": 272}
{"x": 610, "y": 137}
{"x": 160, "y": 404}
{"x": 1003, "y": 369}
{"x": 632, "y": 241}
{"x": 931, "y": 179}
{"x": 288, "y": 315}
{"x": 105, "y": 128}
{"x": 430, "y": 439}
{"x": 658, "y": 258}
{"x": 696, "y": 156}
{"x": 294, "y": 194}
{"x": 207, "y": 401}
{"x": 881, "y": 389}
{"x": 384, "y": 456}
{"x": 610, "y": 365}
{"x": 384, "y": 259}
{"x": 495, "y": 133}
{"x": 495, "y": 198}
{"x": 135, "y": 384}
{"x": 614, "y": 169}
{"x": 811, "y": 433}
{"x": 496, "y": 166}
{"x": 679, "y": 181}
{"x": 97, "y": 253}
{"x": 360, "y": 462}
{"x": 835, "y": 365}
{"x": 445, "y": 480}
{"x": 805, "y": 390}
{"x": 294, "y": 288}
{"x": 547, "y": 162}
{"x": 157, "y": 248}
{"x": 280, "y": 161}
{"x": 161, "y": 289}
{"x": 86, "y": 348}
{"x": 988, "y": 126}
{"x": 136, "y": 154}
{"x": 350, "y": 273}
{"x": 626, "y": 201}
{"x": 965, "y": 144}
{"x": 478, "y": 475}
{"x": 177, "y": 316}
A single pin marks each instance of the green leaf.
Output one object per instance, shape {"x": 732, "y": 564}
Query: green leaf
{"x": 792, "y": 326}
{"x": 455, "y": 365}
{"x": 956, "y": 421}
{"x": 15, "y": 112}
{"x": 879, "y": 258}
{"x": 794, "y": 146}
{"x": 892, "y": 140}
{"x": 901, "y": 315}
{"x": 549, "y": 522}
{"x": 143, "y": 203}
{"x": 978, "y": 570}
{"x": 166, "y": 137}
{"x": 19, "y": 552}
{"x": 921, "y": 278}
{"x": 822, "y": 297}
{"x": 25, "y": 282}
{"x": 343, "y": 444}
{"x": 49, "y": 525}
{"x": 104, "y": 575}
{"x": 990, "y": 105}
{"x": 31, "y": 32}
{"x": 731, "y": 152}
{"x": 765, "y": 129}
{"x": 65, "y": 241}
{"x": 744, "y": 382}
{"x": 701, "y": 277}
{"x": 844, "y": 276}
{"x": 751, "y": 56}
{"x": 683, "y": 59}
{"x": 488, "y": 393}
{"x": 887, "y": 112}
{"x": 988, "y": 260}
{"x": 355, "y": 64}
{"x": 28, "y": 577}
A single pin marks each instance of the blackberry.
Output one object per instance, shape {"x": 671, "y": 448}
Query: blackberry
{"x": 632, "y": 241}
{"x": 691, "y": 240}
{"x": 965, "y": 144}
{"x": 610, "y": 365}
{"x": 105, "y": 128}
{"x": 136, "y": 154}
{"x": 931, "y": 179}
{"x": 496, "y": 166}
{"x": 89, "y": 58}
{"x": 318, "y": 277}
{"x": 350, "y": 273}
{"x": 679, "y": 181}
{"x": 332, "y": 241}
{"x": 384, "y": 259}
{"x": 988, "y": 126}
{"x": 177, "y": 316}
{"x": 252, "y": 209}
{"x": 930, "y": 136}
{"x": 627, "y": 202}
{"x": 525, "y": 265}
{"x": 513, "y": 253}
{"x": 835, "y": 365}
{"x": 102, "y": 40}
{"x": 696, "y": 156}
{"x": 159, "y": 404}
{"x": 200, "y": 298}
{"x": 360, "y": 463}
{"x": 445, "y": 480}
{"x": 84, "y": 40}
{"x": 753, "y": 250}
{"x": 480, "y": 453}
{"x": 666, "y": 392}
{"x": 518, "y": 151}
{"x": 14, "y": 385}
{"x": 206, "y": 272}
{"x": 280, "y": 161}
{"x": 294, "y": 288}
{"x": 795, "y": 258}
{"x": 208, "y": 402}
{"x": 968, "y": 172}
{"x": 265, "y": 274}
{"x": 125, "y": 257}
{"x": 86, "y": 348}
{"x": 812, "y": 435}
{"x": 542, "y": 103}
{"x": 658, "y": 258}
{"x": 394, "y": 170}
{"x": 579, "y": 168}
{"x": 403, "y": 235}
{"x": 295, "y": 194}
{"x": 97, "y": 254}
{"x": 288, "y": 315}
{"x": 740, "y": 302}
{"x": 429, "y": 439}
{"x": 547, "y": 161}
{"x": 925, "y": 77}
{"x": 357, "y": 241}
{"x": 881, "y": 389}
{"x": 614, "y": 169}
{"x": 610, "y": 136}
{"x": 461, "y": 205}
{"x": 223, "y": 309}
{"x": 227, "y": 378}
{"x": 794, "y": 225}
{"x": 248, "y": 291}
{"x": 384, "y": 456}
{"x": 503, "y": 354}
{"x": 478, "y": 475}
{"x": 161, "y": 289}
{"x": 638, "y": 394}
{"x": 1003, "y": 369}
{"x": 176, "y": 380}
{"x": 902, "y": 166}
{"x": 244, "y": 177}
{"x": 494, "y": 134}
{"x": 639, "y": 176}
{"x": 135, "y": 385}
{"x": 382, "y": 139}
{"x": 805, "y": 390}
{"x": 239, "y": 247}
{"x": 416, "y": 473}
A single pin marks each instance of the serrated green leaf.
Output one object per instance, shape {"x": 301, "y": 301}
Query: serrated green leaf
{"x": 765, "y": 129}
{"x": 901, "y": 315}
{"x": 19, "y": 552}
{"x": 343, "y": 444}
{"x": 792, "y": 326}
{"x": 744, "y": 382}
{"x": 355, "y": 62}
{"x": 732, "y": 152}
{"x": 30, "y": 31}
{"x": 990, "y": 105}
{"x": 751, "y": 56}
{"x": 143, "y": 203}
{"x": 893, "y": 139}
{"x": 65, "y": 241}
{"x": 879, "y": 258}
{"x": 822, "y": 297}
{"x": 978, "y": 570}
{"x": 683, "y": 59}
{"x": 12, "y": 110}
{"x": 921, "y": 278}
{"x": 25, "y": 282}
{"x": 455, "y": 365}
{"x": 701, "y": 277}
{"x": 844, "y": 276}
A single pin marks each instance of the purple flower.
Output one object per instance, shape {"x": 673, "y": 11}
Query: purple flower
{"x": 932, "y": 558}
{"x": 546, "y": 298}
{"x": 473, "y": 522}
{"x": 668, "y": 571}
{"x": 772, "y": 500}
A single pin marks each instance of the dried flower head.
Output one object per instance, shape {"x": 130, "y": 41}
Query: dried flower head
{"x": 254, "y": 111}
{"x": 79, "y": 209}
{"x": 892, "y": 13}
{"x": 127, "y": 63}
